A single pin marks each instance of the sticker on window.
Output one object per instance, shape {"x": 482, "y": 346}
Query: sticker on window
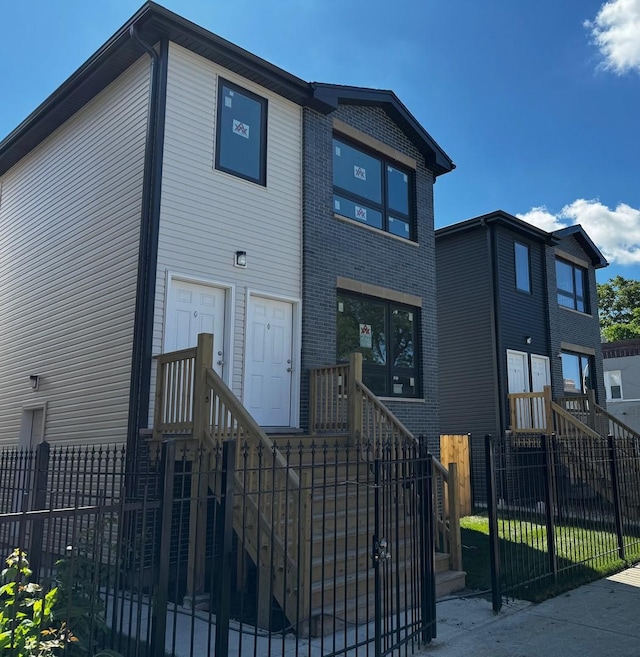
{"x": 397, "y": 388}
{"x": 361, "y": 213}
{"x": 336, "y": 204}
{"x": 340, "y": 307}
{"x": 240, "y": 128}
{"x": 406, "y": 179}
{"x": 359, "y": 172}
{"x": 410, "y": 316}
{"x": 338, "y": 151}
{"x": 412, "y": 381}
{"x": 228, "y": 101}
{"x": 365, "y": 336}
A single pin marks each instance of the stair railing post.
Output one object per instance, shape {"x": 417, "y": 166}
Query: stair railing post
{"x": 204, "y": 360}
{"x": 548, "y": 411}
{"x": 454, "y": 518}
{"x": 355, "y": 398}
{"x": 591, "y": 401}
{"x": 158, "y": 408}
{"x": 615, "y": 488}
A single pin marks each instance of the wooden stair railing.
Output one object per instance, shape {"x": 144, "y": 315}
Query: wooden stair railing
{"x": 339, "y": 400}
{"x": 578, "y": 419}
{"x": 192, "y": 399}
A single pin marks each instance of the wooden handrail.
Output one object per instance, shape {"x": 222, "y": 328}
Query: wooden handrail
{"x": 328, "y": 406}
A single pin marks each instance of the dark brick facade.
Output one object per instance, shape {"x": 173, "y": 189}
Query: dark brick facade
{"x": 573, "y": 327}
{"x": 333, "y": 248}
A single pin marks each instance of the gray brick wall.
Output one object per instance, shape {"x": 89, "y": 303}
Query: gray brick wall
{"x": 573, "y": 327}
{"x": 334, "y": 248}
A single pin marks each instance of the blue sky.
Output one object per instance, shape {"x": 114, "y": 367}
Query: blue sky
{"x": 536, "y": 102}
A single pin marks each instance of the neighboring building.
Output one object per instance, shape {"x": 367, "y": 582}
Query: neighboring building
{"x": 517, "y": 310}
{"x": 622, "y": 380}
{"x": 197, "y": 188}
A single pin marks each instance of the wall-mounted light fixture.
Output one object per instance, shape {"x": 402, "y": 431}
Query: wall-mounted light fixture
{"x": 240, "y": 259}
{"x": 34, "y": 379}
{"x": 528, "y": 339}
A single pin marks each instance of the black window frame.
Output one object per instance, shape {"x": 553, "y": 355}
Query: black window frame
{"x": 583, "y": 359}
{"x": 517, "y": 244}
{"x": 572, "y": 295}
{"x": 390, "y": 370}
{"x": 264, "y": 104}
{"x": 382, "y": 207}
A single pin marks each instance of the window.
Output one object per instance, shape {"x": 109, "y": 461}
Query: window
{"x": 241, "y": 133}
{"x": 577, "y": 372}
{"x": 613, "y": 384}
{"x": 572, "y": 289}
{"x": 372, "y": 190}
{"x": 523, "y": 276}
{"x": 386, "y": 334}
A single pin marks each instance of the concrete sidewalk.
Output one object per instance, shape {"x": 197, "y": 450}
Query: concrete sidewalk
{"x": 599, "y": 619}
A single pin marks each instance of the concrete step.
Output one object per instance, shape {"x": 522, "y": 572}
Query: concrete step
{"x": 449, "y": 581}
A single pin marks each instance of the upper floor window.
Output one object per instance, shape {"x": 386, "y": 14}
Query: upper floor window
{"x": 372, "y": 190}
{"x": 613, "y": 384}
{"x": 386, "y": 334}
{"x": 523, "y": 274}
{"x": 241, "y": 133}
{"x": 571, "y": 281}
{"x": 577, "y": 372}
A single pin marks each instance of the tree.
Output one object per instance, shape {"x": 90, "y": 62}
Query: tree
{"x": 619, "y": 309}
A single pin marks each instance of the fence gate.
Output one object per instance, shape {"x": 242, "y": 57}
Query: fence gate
{"x": 403, "y": 553}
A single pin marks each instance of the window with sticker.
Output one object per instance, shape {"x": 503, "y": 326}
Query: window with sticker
{"x": 241, "y": 133}
{"x": 386, "y": 334}
{"x": 372, "y": 190}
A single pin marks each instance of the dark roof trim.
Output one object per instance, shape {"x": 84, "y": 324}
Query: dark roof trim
{"x": 154, "y": 24}
{"x": 334, "y": 94}
{"x": 501, "y": 218}
{"x": 580, "y": 235}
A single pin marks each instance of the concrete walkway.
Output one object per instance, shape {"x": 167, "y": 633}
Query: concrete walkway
{"x": 600, "y": 619}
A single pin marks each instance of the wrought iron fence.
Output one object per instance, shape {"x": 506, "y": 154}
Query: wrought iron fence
{"x": 194, "y": 551}
{"x": 562, "y": 510}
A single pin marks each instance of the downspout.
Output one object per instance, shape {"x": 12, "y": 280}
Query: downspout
{"x": 496, "y": 341}
{"x": 148, "y": 248}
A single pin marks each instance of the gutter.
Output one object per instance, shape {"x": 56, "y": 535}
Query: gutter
{"x": 141, "y": 355}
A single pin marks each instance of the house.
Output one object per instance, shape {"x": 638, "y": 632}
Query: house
{"x": 177, "y": 184}
{"x": 622, "y": 380}
{"x": 517, "y": 311}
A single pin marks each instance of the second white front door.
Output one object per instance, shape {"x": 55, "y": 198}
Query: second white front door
{"x": 269, "y": 365}
{"x": 194, "y": 308}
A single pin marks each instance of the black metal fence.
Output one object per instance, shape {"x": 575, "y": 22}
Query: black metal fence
{"x": 562, "y": 510}
{"x": 227, "y": 551}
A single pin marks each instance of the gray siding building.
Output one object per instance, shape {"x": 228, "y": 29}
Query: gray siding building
{"x": 517, "y": 311}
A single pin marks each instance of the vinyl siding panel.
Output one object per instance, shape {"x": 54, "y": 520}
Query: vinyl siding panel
{"x": 467, "y": 391}
{"x": 208, "y": 215}
{"x": 69, "y": 232}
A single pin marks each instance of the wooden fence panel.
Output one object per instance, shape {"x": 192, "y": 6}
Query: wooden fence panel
{"x": 456, "y": 449}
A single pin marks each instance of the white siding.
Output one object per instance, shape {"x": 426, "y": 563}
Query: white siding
{"x": 69, "y": 231}
{"x": 208, "y": 215}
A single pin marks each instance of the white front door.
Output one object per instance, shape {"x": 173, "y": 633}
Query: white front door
{"x": 540, "y": 377}
{"x": 268, "y": 375}
{"x": 540, "y": 373}
{"x": 518, "y": 381}
{"x": 193, "y": 308}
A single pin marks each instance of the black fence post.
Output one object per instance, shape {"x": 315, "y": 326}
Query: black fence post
{"x": 225, "y": 561}
{"x": 38, "y": 502}
{"x": 615, "y": 486}
{"x": 549, "y": 506}
{"x": 161, "y": 597}
{"x": 494, "y": 539}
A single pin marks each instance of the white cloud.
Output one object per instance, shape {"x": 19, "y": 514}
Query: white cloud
{"x": 616, "y": 232}
{"x": 616, "y": 32}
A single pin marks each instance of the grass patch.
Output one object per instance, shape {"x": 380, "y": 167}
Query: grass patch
{"x": 524, "y": 560}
